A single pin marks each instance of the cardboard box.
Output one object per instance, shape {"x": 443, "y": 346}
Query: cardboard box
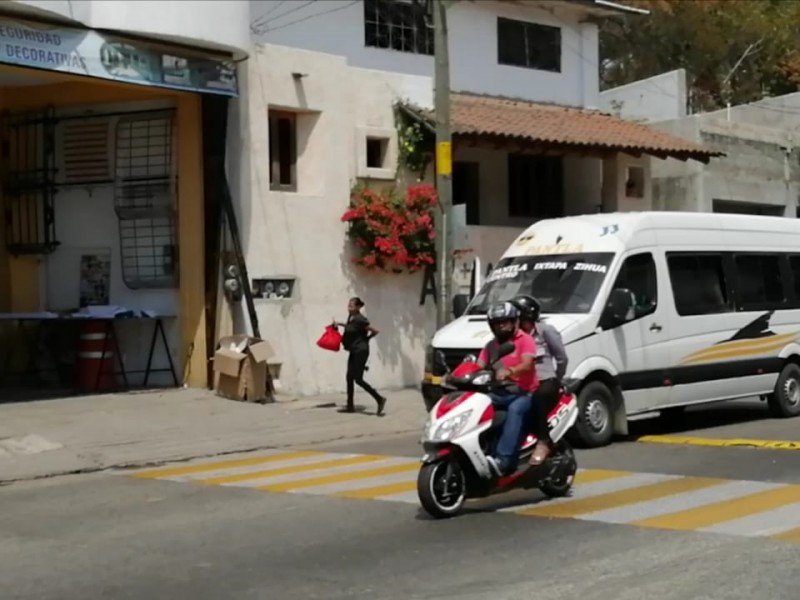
{"x": 240, "y": 366}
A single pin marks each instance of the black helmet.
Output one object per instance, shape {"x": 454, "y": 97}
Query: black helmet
{"x": 499, "y": 313}
{"x": 529, "y": 307}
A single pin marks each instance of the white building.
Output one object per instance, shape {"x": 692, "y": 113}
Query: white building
{"x": 338, "y": 66}
{"x": 312, "y": 113}
{"x": 760, "y": 173}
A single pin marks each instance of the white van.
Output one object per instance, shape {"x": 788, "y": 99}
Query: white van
{"x": 657, "y": 310}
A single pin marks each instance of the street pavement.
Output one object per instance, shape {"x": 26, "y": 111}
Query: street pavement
{"x": 340, "y": 520}
{"x": 95, "y": 433}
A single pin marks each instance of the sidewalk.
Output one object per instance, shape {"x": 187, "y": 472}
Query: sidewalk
{"x": 75, "y": 435}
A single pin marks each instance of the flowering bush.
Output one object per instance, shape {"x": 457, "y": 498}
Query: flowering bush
{"x": 392, "y": 232}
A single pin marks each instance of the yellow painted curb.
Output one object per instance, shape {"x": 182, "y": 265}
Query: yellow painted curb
{"x": 719, "y": 443}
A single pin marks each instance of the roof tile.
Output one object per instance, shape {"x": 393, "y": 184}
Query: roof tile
{"x": 475, "y": 115}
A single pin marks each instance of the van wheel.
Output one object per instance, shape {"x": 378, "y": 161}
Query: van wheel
{"x": 595, "y": 420}
{"x": 785, "y": 402}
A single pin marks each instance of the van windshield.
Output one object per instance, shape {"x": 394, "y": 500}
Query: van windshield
{"x": 563, "y": 283}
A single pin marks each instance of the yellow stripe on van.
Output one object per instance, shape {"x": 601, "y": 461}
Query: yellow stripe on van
{"x": 742, "y": 347}
{"x": 771, "y": 349}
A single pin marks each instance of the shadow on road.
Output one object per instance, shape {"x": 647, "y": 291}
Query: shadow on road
{"x": 699, "y": 418}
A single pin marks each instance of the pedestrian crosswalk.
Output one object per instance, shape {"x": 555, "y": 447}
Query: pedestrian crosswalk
{"x": 651, "y": 500}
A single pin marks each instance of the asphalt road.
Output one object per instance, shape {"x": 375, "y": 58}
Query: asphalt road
{"x": 210, "y": 535}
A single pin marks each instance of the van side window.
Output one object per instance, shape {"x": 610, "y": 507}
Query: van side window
{"x": 759, "y": 281}
{"x": 638, "y": 274}
{"x": 698, "y": 284}
{"x": 794, "y": 266}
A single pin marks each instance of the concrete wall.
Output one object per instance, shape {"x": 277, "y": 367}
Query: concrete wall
{"x": 219, "y": 24}
{"x": 337, "y": 27}
{"x": 653, "y": 99}
{"x": 300, "y": 234}
{"x": 757, "y": 170}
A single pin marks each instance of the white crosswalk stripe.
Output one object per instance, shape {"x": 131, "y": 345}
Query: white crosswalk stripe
{"x": 715, "y": 506}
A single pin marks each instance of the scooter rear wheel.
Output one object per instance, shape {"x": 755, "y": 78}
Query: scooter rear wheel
{"x": 559, "y": 482}
{"x": 442, "y": 489}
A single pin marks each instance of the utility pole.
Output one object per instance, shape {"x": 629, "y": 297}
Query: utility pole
{"x": 444, "y": 159}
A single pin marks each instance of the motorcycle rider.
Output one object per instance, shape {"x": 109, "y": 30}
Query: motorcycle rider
{"x": 551, "y": 365}
{"x": 518, "y": 367}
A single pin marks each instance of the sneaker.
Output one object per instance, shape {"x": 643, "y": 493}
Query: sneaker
{"x": 496, "y": 465}
{"x": 381, "y": 406}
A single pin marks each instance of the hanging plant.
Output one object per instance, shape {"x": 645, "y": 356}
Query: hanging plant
{"x": 392, "y": 232}
{"x": 415, "y": 141}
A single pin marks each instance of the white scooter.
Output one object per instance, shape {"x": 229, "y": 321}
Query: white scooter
{"x": 462, "y": 430}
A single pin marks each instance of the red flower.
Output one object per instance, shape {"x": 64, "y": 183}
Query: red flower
{"x": 392, "y": 233}
{"x": 401, "y": 257}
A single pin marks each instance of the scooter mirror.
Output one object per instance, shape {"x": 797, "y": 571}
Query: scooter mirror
{"x": 470, "y": 358}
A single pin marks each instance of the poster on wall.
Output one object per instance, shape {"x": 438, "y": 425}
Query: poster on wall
{"x": 94, "y": 54}
{"x": 95, "y": 282}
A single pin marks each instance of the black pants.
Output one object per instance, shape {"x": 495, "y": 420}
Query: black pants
{"x": 356, "y": 363}
{"x": 545, "y": 400}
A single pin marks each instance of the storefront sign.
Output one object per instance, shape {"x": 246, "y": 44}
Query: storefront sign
{"x": 94, "y": 54}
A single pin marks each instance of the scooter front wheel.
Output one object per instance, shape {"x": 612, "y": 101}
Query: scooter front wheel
{"x": 442, "y": 489}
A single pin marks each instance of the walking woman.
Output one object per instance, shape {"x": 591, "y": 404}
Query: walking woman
{"x": 357, "y": 334}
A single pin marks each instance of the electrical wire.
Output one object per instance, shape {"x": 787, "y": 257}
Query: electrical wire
{"x": 259, "y": 21}
{"x": 306, "y": 18}
{"x": 265, "y": 23}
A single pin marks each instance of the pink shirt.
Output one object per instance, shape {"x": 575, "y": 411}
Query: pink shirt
{"x": 525, "y": 346}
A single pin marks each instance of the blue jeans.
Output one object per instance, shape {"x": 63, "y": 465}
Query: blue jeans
{"x": 517, "y": 407}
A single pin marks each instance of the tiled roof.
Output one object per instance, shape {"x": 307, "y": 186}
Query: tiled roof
{"x": 567, "y": 128}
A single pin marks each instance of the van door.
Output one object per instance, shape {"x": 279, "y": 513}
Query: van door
{"x": 720, "y": 351}
{"x": 641, "y": 343}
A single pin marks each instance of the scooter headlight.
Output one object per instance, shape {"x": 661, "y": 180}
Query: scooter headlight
{"x": 451, "y": 427}
{"x": 426, "y": 428}
{"x": 482, "y": 379}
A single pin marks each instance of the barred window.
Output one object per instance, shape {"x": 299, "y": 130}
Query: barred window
{"x": 400, "y": 25}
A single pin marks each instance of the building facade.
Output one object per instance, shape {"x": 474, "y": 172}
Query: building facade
{"x": 105, "y": 108}
{"x": 527, "y": 144}
{"x": 314, "y": 90}
{"x": 760, "y": 173}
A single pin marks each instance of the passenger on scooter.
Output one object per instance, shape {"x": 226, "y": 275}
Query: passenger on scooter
{"x": 551, "y": 365}
{"x": 519, "y": 367}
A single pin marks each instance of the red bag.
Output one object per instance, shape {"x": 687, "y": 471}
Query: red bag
{"x": 331, "y": 339}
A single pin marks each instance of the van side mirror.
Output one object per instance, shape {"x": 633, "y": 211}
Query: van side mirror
{"x": 619, "y": 307}
{"x": 460, "y": 303}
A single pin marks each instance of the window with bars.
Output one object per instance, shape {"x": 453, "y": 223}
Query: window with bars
{"x": 145, "y": 199}
{"x": 529, "y": 45}
{"x": 401, "y": 25}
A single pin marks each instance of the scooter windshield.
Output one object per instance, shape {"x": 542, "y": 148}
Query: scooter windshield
{"x": 563, "y": 283}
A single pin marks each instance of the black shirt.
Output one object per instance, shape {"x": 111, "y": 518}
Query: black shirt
{"x": 356, "y": 333}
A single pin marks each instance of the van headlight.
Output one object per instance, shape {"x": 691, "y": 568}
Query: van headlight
{"x": 451, "y": 427}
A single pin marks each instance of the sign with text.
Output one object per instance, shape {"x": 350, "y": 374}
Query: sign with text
{"x": 94, "y": 54}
